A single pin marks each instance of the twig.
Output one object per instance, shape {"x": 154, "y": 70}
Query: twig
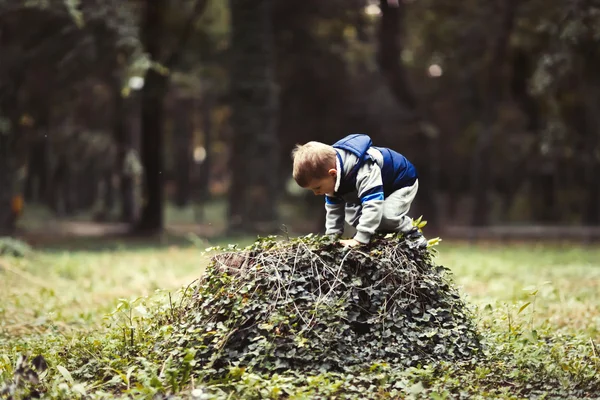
{"x": 171, "y": 307}
{"x": 185, "y": 292}
{"x": 594, "y": 350}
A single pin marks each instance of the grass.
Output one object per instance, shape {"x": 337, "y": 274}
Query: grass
{"x": 537, "y": 306}
{"x": 75, "y": 286}
{"x": 566, "y": 276}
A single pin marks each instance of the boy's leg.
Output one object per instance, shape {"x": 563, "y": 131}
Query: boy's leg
{"x": 395, "y": 209}
{"x": 395, "y": 218}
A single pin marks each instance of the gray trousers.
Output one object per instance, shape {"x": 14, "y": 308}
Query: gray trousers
{"x": 395, "y": 208}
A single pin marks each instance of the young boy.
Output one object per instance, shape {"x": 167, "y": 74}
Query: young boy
{"x": 373, "y": 187}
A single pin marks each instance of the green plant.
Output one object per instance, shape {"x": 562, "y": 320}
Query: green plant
{"x": 311, "y": 304}
{"x": 14, "y": 247}
{"x": 60, "y": 318}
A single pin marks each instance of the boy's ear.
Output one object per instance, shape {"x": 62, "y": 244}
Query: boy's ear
{"x": 332, "y": 172}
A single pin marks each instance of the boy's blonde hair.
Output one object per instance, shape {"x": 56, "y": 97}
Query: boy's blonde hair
{"x": 312, "y": 160}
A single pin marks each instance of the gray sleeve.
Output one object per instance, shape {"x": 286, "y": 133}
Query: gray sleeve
{"x": 370, "y": 191}
{"x": 334, "y": 221}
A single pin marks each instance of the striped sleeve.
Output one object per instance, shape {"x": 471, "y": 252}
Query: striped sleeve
{"x": 331, "y": 200}
{"x": 374, "y": 193}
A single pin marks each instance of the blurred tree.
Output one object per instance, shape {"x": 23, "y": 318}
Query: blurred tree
{"x": 328, "y": 83}
{"x": 391, "y": 35}
{"x": 527, "y": 146}
{"x": 183, "y": 136}
{"x": 567, "y": 87}
{"x": 512, "y": 84}
{"x": 254, "y": 163}
{"x": 164, "y": 56}
{"x": 495, "y": 70}
{"x": 478, "y": 83}
{"x": 47, "y": 47}
{"x": 202, "y": 80}
{"x": 125, "y": 135}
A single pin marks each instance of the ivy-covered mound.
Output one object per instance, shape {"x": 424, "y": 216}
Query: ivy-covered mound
{"x": 312, "y": 304}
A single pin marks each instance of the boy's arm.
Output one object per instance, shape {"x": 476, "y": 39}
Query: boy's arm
{"x": 370, "y": 190}
{"x": 334, "y": 220}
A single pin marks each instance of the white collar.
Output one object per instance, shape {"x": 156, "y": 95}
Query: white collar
{"x": 338, "y": 176}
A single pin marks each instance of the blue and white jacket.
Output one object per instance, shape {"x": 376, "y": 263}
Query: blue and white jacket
{"x": 366, "y": 175}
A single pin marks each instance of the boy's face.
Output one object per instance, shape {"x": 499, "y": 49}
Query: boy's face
{"x": 324, "y": 185}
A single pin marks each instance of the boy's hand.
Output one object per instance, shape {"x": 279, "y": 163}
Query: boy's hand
{"x": 350, "y": 242}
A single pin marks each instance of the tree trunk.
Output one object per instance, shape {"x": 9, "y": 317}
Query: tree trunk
{"x": 544, "y": 204}
{"x": 202, "y": 188}
{"x": 508, "y": 200}
{"x": 592, "y": 209}
{"x": 391, "y": 29}
{"x": 37, "y": 166}
{"x": 390, "y": 49}
{"x": 123, "y": 135}
{"x": 591, "y": 98}
{"x": 254, "y": 152}
{"x": 152, "y": 118}
{"x": 522, "y": 72}
{"x": 153, "y": 94}
{"x": 492, "y": 95}
{"x": 109, "y": 194}
{"x": 128, "y": 202}
{"x": 88, "y": 188}
{"x": 183, "y": 137}
{"x": 56, "y": 188}
{"x": 11, "y": 79}
{"x": 480, "y": 172}
{"x": 7, "y": 175}
{"x": 106, "y": 189}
